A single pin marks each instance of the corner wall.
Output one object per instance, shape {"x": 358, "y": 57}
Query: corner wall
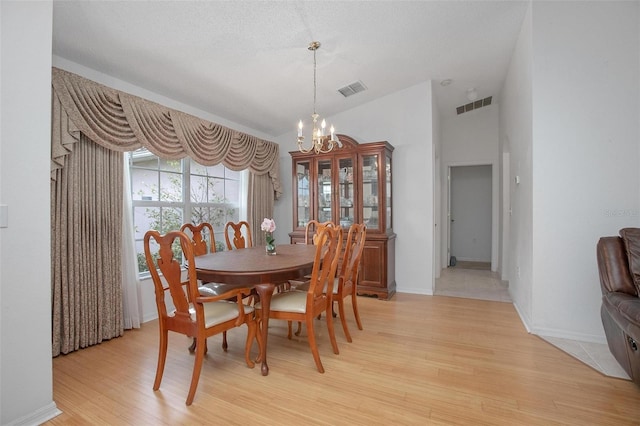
{"x": 516, "y": 139}
{"x": 586, "y": 78}
{"x": 569, "y": 123}
{"x": 26, "y": 381}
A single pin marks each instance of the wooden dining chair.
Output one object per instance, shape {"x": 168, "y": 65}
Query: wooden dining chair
{"x": 237, "y": 235}
{"x": 194, "y": 315}
{"x": 346, "y": 282}
{"x": 313, "y": 228}
{"x": 307, "y": 305}
{"x": 200, "y": 234}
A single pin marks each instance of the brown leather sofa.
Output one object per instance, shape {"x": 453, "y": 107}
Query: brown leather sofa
{"x": 619, "y": 267}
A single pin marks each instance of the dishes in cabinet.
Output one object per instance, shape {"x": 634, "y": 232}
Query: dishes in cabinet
{"x": 346, "y": 202}
{"x": 346, "y": 222}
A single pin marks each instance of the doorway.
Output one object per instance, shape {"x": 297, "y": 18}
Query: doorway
{"x": 470, "y": 215}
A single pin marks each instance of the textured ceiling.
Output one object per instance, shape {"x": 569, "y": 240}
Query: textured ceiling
{"x": 247, "y": 61}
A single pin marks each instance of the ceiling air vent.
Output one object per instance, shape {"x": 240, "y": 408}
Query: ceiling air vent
{"x": 474, "y": 105}
{"x": 352, "y": 89}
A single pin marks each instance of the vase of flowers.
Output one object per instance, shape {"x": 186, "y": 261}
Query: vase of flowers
{"x": 268, "y": 226}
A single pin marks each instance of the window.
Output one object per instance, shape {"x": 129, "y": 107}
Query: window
{"x": 167, "y": 193}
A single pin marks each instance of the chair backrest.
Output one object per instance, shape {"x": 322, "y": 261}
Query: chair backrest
{"x": 237, "y": 235}
{"x": 313, "y": 229}
{"x": 164, "y": 260}
{"x": 329, "y": 247}
{"x": 353, "y": 252}
{"x": 199, "y": 238}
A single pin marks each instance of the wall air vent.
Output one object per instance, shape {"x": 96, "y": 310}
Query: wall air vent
{"x": 352, "y": 89}
{"x": 474, "y": 105}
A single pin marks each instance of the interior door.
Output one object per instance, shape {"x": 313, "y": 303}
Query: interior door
{"x": 470, "y": 213}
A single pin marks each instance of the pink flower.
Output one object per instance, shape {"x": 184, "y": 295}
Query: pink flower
{"x": 268, "y": 225}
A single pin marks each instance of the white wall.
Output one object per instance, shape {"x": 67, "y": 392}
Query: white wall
{"x": 585, "y": 153}
{"x": 569, "y": 120}
{"x": 516, "y": 122}
{"x": 438, "y": 220}
{"x": 468, "y": 139}
{"x": 26, "y": 393}
{"x": 404, "y": 119}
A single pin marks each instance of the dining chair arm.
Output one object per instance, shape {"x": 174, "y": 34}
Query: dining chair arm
{"x": 234, "y": 293}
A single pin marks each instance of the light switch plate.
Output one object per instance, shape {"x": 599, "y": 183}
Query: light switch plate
{"x": 4, "y": 216}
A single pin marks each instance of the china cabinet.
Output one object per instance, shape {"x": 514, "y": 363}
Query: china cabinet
{"x": 347, "y": 185}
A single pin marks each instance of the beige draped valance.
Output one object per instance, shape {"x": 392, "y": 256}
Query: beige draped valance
{"x": 123, "y": 122}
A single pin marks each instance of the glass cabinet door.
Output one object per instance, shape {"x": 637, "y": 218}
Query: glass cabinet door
{"x": 370, "y": 191}
{"x": 387, "y": 169}
{"x": 346, "y": 192}
{"x": 325, "y": 191}
{"x": 303, "y": 210}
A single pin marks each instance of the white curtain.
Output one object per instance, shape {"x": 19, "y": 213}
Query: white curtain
{"x": 130, "y": 282}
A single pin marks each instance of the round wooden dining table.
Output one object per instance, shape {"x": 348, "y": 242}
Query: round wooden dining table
{"x": 254, "y": 268}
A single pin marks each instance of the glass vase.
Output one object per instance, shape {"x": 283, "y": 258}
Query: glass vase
{"x": 271, "y": 245}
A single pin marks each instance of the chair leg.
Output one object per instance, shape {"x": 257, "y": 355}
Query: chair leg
{"x": 289, "y": 330}
{"x": 343, "y": 320}
{"x": 332, "y": 331}
{"x": 162, "y": 356}
{"x": 192, "y": 348}
{"x": 314, "y": 345}
{"x": 224, "y": 341}
{"x": 197, "y": 367}
{"x": 299, "y": 328}
{"x": 354, "y": 304}
{"x": 251, "y": 334}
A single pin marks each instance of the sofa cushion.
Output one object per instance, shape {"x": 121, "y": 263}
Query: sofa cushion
{"x": 629, "y": 306}
{"x": 631, "y": 238}
{"x": 625, "y": 311}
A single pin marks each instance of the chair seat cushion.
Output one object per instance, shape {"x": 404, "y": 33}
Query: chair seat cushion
{"x": 218, "y": 312}
{"x": 216, "y": 289}
{"x": 289, "y": 301}
{"x": 305, "y": 286}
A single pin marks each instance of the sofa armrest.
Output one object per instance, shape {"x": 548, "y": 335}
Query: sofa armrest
{"x": 613, "y": 266}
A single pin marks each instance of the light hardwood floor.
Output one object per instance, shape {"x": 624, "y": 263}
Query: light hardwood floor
{"x": 420, "y": 360}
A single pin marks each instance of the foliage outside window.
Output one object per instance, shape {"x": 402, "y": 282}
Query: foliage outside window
{"x": 168, "y": 193}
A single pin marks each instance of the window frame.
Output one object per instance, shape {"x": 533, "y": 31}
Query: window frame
{"x": 186, "y": 205}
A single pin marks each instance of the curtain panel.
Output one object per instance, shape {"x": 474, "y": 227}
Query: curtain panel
{"x": 86, "y": 248}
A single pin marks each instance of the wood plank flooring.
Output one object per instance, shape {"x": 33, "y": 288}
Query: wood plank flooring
{"x": 420, "y": 360}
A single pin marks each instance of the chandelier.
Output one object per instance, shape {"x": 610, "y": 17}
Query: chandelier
{"x": 320, "y": 142}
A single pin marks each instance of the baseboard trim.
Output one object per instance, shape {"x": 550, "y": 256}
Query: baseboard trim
{"x": 564, "y": 334}
{"x": 38, "y": 417}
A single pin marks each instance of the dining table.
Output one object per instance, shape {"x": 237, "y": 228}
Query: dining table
{"x": 254, "y": 268}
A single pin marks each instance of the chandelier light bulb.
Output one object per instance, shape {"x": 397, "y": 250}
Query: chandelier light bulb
{"x": 319, "y": 142}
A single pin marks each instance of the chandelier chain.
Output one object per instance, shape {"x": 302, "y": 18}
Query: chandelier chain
{"x": 315, "y": 87}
